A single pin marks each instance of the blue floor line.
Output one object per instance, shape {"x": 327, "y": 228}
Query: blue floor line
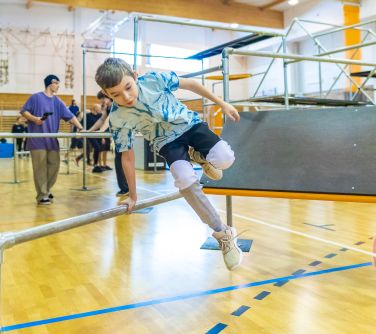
{"x": 179, "y": 297}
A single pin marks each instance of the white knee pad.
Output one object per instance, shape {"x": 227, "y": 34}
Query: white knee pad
{"x": 183, "y": 173}
{"x": 221, "y": 155}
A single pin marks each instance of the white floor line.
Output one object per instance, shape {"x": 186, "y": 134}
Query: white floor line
{"x": 305, "y": 235}
{"x": 106, "y": 178}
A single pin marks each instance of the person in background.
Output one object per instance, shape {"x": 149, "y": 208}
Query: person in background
{"x": 103, "y": 125}
{"x": 44, "y": 110}
{"x": 19, "y": 127}
{"x": 74, "y": 109}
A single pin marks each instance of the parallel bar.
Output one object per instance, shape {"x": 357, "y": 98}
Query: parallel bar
{"x": 9, "y": 239}
{"x": 208, "y": 70}
{"x": 299, "y": 57}
{"x": 56, "y": 135}
{"x": 345, "y": 27}
{"x": 210, "y": 26}
{"x": 346, "y": 48}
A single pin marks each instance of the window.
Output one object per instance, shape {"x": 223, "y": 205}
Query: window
{"x": 127, "y": 46}
{"x": 181, "y": 65}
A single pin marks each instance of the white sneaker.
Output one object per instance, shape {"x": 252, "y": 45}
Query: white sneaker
{"x": 232, "y": 254}
{"x": 209, "y": 170}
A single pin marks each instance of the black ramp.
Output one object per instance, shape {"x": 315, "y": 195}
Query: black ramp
{"x": 303, "y": 150}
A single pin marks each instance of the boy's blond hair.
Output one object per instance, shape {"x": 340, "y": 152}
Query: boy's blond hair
{"x": 112, "y": 72}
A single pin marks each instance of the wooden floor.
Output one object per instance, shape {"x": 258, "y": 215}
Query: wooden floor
{"x": 143, "y": 272}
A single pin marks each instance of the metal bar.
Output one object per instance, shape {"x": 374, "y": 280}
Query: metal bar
{"x": 364, "y": 83}
{"x": 344, "y": 68}
{"x": 15, "y": 160}
{"x": 211, "y": 26}
{"x": 133, "y": 54}
{"x": 10, "y": 239}
{"x": 272, "y": 61}
{"x": 345, "y": 28}
{"x": 344, "y": 72}
{"x": 135, "y": 39}
{"x": 208, "y": 70}
{"x": 295, "y": 56}
{"x": 347, "y": 48}
{"x": 327, "y": 24}
{"x": 57, "y": 135}
{"x": 202, "y": 98}
{"x": 320, "y": 75}
{"x": 226, "y": 97}
{"x": 285, "y": 79}
{"x": 84, "y": 116}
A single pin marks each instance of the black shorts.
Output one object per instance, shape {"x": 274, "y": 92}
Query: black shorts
{"x": 200, "y": 137}
{"x": 76, "y": 143}
{"x": 107, "y": 144}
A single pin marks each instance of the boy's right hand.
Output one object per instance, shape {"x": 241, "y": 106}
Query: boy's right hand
{"x": 130, "y": 202}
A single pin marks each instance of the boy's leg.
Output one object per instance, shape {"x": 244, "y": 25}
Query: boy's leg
{"x": 213, "y": 153}
{"x": 176, "y": 155}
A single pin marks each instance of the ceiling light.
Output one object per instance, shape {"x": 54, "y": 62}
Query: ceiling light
{"x": 234, "y": 25}
{"x": 293, "y": 2}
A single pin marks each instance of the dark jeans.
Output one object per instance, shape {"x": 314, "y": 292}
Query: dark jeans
{"x": 121, "y": 180}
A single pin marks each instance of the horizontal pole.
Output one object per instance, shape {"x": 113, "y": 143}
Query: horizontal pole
{"x": 188, "y": 22}
{"x": 346, "y": 48}
{"x": 299, "y": 57}
{"x": 326, "y": 23}
{"x": 10, "y": 239}
{"x": 208, "y": 70}
{"x": 132, "y": 54}
{"x": 81, "y": 134}
{"x": 344, "y": 28}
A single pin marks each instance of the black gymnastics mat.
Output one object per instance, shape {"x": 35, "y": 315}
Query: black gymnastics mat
{"x": 328, "y": 150}
{"x": 212, "y": 244}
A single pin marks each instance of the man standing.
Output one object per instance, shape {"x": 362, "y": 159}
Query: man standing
{"x": 44, "y": 110}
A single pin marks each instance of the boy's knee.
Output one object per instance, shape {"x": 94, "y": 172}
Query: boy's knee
{"x": 183, "y": 174}
{"x": 221, "y": 155}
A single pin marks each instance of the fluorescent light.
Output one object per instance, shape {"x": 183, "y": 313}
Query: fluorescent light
{"x": 293, "y": 2}
{"x": 234, "y": 25}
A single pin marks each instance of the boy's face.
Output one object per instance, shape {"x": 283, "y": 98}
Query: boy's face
{"x": 125, "y": 93}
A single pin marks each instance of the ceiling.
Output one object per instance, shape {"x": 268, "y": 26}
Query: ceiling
{"x": 282, "y": 5}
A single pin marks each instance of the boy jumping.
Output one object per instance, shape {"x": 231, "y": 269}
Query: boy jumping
{"x": 147, "y": 105}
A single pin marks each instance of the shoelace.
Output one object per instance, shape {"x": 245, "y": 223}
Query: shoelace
{"x": 227, "y": 239}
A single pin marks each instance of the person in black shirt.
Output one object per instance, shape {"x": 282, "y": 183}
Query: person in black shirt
{"x": 19, "y": 127}
{"x": 74, "y": 109}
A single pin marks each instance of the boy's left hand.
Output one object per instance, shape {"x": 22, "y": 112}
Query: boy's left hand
{"x": 230, "y": 112}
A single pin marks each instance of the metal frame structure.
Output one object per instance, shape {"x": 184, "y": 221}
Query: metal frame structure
{"x": 83, "y": 135}
{"x": 285, "y": 56}
{"x": 10, "y": 239}
{"x": 322, "y": 51}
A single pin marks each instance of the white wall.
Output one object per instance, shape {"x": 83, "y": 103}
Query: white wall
{"x": 35, "y": 54}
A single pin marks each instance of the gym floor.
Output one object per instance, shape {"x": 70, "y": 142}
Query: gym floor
{"x": 145, "y": 272}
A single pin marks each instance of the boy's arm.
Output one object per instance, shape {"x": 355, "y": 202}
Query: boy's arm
{"x": 127, "y": 161}
{"x": 195, "y": 87}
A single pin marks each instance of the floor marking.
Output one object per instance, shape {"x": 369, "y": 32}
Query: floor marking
{"x": 262, "y": 295}
{"x": 299, "y": 272}
{"x": 329, "y": 256}
{"x": 288, "y": 230}
{"x": 314, "y": 263}
{"x": 240, "y": 310}
{"x": 216, "y": 329}
{"x": 180, "y": 297}
{"x": 281, "y": 283}
{"x": 321, "y": 226}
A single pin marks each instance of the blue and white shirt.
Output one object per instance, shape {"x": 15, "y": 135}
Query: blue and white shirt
{"x": 158, "y": 114}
